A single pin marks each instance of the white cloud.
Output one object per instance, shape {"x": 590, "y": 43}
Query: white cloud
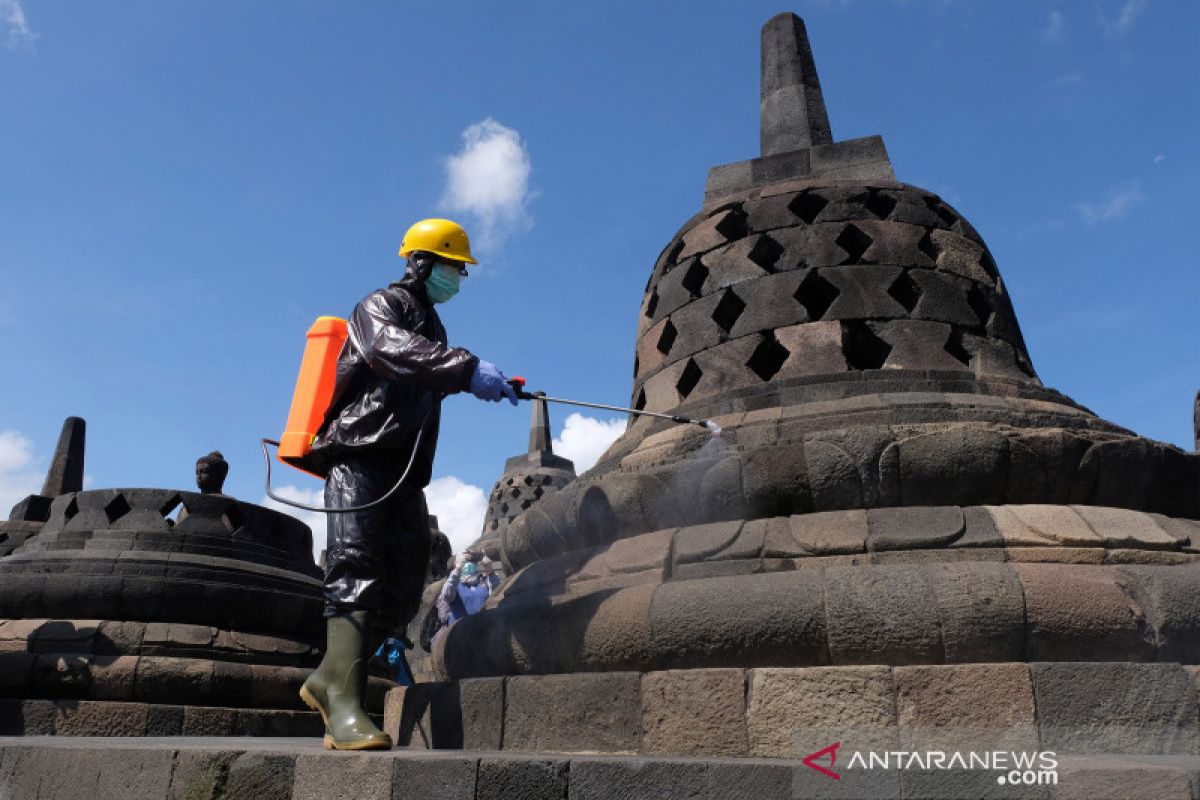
{"x": 17, "y": 478}
{"x": 16, "y": 28}
{"x": 489, "y": 181}
{"x": 1125, "y": 19}
{"x": 314, "y": 519}
{"x": 1054, "y": 27}
{"x": 459, "y": 507}
{"x": 1158, "y": 159}
{"x": 584, "y": 439}
{"x": 1116, "y": 203}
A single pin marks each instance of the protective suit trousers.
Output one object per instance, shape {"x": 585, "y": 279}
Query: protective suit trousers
{"x": 376, "y": 560}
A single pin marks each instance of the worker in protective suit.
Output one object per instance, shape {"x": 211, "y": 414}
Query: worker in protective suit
{"x": 392, "y": 374}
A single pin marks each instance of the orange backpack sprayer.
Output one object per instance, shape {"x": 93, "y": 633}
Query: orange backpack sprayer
{"x": 314, "y": 388}
{"x": 310, "y": 403}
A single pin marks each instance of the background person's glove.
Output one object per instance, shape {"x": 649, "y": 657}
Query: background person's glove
{"x": 489, "y": 383}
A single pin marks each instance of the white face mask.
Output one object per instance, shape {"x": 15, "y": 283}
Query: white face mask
{"x": 443, "y": 283}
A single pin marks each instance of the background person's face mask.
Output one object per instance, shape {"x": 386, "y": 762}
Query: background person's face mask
{"x": 442, "y": 283}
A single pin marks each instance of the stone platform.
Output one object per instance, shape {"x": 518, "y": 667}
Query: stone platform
{"x": 65, "y": 768}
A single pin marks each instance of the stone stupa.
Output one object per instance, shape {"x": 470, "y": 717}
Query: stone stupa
{"x": 900, "y": 527}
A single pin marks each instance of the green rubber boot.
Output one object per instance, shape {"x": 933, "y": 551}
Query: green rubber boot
{"x": 336, "y": 687}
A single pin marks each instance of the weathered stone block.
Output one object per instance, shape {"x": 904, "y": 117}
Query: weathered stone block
{"x": 451, "y": 777}
{"x": 580, "y": 712}
{"x": 694, "y": 712}
{"x": 982, "y": 611}
{"x": 1120, "y": 527}
{"x": 739, "y": 621}
{"x": 424, "y": 716}
{"x": 1116, "y": 778}
{"x": 881, "y": 614}
{"x": 164, "y": 720}
{"x": 204, "y": 721}
{"x": 966, "y": 707}
{"x": 793, "y": 712}
{"x": 979, "y": 457}
{"x": 258, "y": 776}
{"x": 902, "y": 528}
{"x": 830, "y": 532}
{"x": 482, "y": 702}
{"x": 1169, "y": 597}
{"x": 752, "y": 779}
{"x": 1116, "y": 708}
{"x": 636, "y": 779}
{"x": 93, "y": 718}
{"x": 356, "y": 775}
{"x": 1081, "y": 612}
{"x": 26, "y": 717}
{"x": 522, "y": 779}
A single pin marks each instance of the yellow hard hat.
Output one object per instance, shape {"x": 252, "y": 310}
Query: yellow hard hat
{"x": 440, "y": 236}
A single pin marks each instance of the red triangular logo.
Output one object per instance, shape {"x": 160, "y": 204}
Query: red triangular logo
{"x": 810, "y": 760}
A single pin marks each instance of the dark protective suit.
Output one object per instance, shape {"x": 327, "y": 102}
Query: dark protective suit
{"x": 391, "y": 375}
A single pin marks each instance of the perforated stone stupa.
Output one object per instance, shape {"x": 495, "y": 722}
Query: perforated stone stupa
{"x": 146, "y": 611}
{"x": 528, "y": 479}
{"x": 897, "y": 502}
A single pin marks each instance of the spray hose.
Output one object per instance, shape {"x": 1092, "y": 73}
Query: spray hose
{"x": 518, "y": 385}
{"x": 407, "y": 468}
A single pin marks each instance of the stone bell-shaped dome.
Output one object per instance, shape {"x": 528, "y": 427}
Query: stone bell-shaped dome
{"x": 853, "y": 337}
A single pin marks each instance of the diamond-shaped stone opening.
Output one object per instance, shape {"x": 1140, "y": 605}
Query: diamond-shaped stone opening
{"x": 546, "y": 480}
{"x": 936, "y": 206}
{"x": 525, "y": 504}
{"x": 652, "y": 303}
{"x": 954, "y": 346}
{"x": 694, "y": 278}
{"x": 906, "y": 291}
{"x": 528, "y": 480}
{"x": 170, "y": 508}
{"x": 495, "y": 524}
{"x": 538, "y": 492}
{"x": 667, "y": 338}
{"x": 855, "y": 242}
{"x": 672, "y": 253}
{"x": 989, "y": 264}
{"x": 765, "y": 252}
{"x": 978, "y": 300}
{"x": 880, "y": 204}
{"x": 688, "y": 380}
{"x": 640, "y": 403}
{"x": 516, "y": 492}
{"x": 862, "y": 347}
{"x": 71, "y": 510}
{"x": 504, "y": 508}
{"x": 928, "y": 246}
{"x": 807, "y": 206}
{"x": 728, "y": 310}
{"x": 636, "y": 366}
{"x": 733, "y": 224}
{"x": 231, "y": 517}
{"x": 116, "y": 508}
{"x": 816, "y": 295}
{"x": 768, "y": 357}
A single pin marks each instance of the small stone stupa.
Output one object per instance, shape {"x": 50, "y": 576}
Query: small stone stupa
{"x": 528, "y": 479}
{"x": 899, "y": 528}
{"x": 139, "y": 611}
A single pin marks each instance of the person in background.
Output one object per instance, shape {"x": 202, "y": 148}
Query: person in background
{"x": 490, "y": 573}
{"x": 465, "y": 590}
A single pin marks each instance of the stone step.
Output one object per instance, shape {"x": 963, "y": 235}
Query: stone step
{"x": 64, "y": 768}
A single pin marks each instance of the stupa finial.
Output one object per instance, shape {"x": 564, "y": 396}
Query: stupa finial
{"x": 793, "y": 109}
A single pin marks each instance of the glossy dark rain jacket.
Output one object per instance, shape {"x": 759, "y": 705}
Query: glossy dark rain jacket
{"x": 394, "y": 368}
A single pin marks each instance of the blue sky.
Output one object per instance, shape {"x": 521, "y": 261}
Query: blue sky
{"x": 184, "y": 187}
